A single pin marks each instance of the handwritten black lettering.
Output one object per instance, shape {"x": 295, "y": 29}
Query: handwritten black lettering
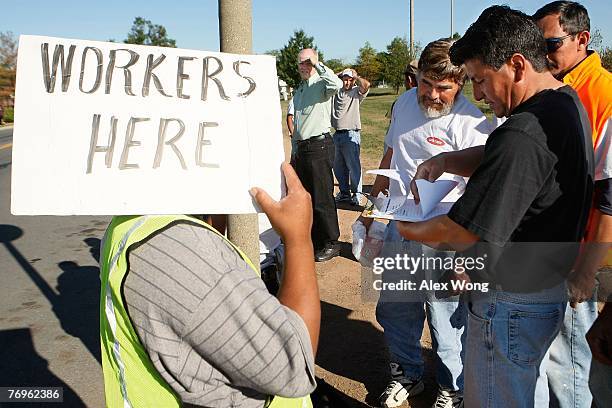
{"x": 161, "y": 136}
{"x": 93, "y": 145}
{"x": 50, "y": 73}
{"x": 129, "y": 142}
{"x": 98, "y": 80}
{"x": 206, "y": 75}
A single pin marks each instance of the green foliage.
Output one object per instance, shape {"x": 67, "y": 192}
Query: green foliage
{"x": 146, "y": 33}
{"x": 394, "y": 61}
{"x": 7, "y": 86}
{"x": 606, "y": 58}
{"x": 8, "y": 115}
{"x": 286, "y": 63}
{"x": 367, "y": 64}
{"x": 335, "y": 65}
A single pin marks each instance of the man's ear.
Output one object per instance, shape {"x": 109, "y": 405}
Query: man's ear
{"x": 518, "y": 64}
{"x": 583, "y": 37}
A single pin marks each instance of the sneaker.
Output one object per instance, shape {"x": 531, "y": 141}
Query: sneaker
{"x": 354, "y": 201}
{"x": 448, "y": 399}
{"x": 342, "y": 197}
{"x": 400, "y": 388}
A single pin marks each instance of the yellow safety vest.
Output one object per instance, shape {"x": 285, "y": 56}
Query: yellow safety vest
{"x": 130, "y": 378}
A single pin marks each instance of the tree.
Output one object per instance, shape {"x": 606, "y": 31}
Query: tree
{"x": 596, "y": 40}
{"x": 274, "y": 53}
{"x": 605, "y": 52}
{"x": 335, "y": 64}
{"x": 368, "y": 65}
{"x": 8, "y": 67}
{"x": 146, "y": 33}
{"x": 286, "y": 63}
{"x": 606, "y": 58}
{"x": 8, "y": 50}
{"x": 395, "y": 60}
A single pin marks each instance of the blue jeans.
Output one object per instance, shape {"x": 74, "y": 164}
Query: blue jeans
{"x": 565, "y": 368}
{"x": 347, "y": 165}
{"x": 508, "y": 335}
{"x": 403, "y": 318}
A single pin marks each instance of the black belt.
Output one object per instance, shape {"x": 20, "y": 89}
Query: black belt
{"x": 314, "y": 138}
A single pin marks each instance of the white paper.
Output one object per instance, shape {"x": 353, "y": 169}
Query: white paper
{"x": 402, "y": 208}
{"x": 431, "y": 194}
{"x": 242, "y": 136}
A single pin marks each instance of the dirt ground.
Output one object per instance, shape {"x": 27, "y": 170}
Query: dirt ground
{"x": 352, "y": 357}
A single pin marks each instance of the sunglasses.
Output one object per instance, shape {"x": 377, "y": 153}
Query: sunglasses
{"x": 554, "y": 43}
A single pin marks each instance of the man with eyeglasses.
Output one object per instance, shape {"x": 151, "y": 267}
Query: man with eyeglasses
{"x": 315, "y": 149}
{"x": 566, "y": 25}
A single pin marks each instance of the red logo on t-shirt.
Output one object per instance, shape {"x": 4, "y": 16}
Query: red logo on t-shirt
{"x": 435, "y": 141}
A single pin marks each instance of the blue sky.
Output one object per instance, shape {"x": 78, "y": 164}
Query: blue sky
{"x": 339, "y": 29}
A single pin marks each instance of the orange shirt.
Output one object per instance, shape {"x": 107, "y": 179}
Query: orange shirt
{"x": 593, "y": 84}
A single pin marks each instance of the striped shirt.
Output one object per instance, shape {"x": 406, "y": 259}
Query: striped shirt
{"x": 209, "y": 325}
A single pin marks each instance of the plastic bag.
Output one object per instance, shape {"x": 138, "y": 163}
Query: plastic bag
{"x": 359, "y": 236}
{"x": 373, "y": 243}
{"x": 367, "y": 247}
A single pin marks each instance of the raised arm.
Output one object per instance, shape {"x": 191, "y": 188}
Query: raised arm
{"x": 364, "y": 84}
{"x": 329, "y": 78}
{"x": 291, "y": 217}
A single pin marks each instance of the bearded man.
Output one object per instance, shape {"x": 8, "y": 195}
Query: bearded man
{"x": 427, "y": 120}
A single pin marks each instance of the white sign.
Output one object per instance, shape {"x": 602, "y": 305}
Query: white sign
{"x": 108, "y": 128}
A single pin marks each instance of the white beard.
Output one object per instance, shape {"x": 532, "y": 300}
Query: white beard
{"x": 432, "y": 113}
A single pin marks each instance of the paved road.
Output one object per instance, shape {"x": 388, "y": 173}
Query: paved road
{"x": 49, "y": 298}
{"x": 6, "y": 137}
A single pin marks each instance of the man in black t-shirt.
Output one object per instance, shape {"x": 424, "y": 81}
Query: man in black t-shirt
{"x": 524, "y": 209}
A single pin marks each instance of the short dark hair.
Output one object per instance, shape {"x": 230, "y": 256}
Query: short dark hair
{"x": 499, "y": 33}
{"x": 436, "y": 64}
{"x": 573, "y": 16}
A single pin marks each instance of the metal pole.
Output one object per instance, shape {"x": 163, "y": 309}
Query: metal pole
{"x": 235, "y": 36}
{"x": 452, "y": 17}
{"x": 411, "y": 28}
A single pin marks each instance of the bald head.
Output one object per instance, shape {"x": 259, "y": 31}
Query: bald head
{"x": 307, "y": 59}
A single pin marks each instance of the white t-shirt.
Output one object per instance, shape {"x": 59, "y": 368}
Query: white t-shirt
{"x": 290, "y": 108}
{"x": 603, "y": 158}
{"x": 415, "y": 138}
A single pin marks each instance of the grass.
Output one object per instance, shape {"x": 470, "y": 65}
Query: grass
{"x": 375, "y": 115}
{"x": 8, "y": 115}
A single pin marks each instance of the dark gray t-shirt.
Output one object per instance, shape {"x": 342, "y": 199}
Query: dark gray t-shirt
{"x": 209, "y": 325}
{"x": 345, "y": 109}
